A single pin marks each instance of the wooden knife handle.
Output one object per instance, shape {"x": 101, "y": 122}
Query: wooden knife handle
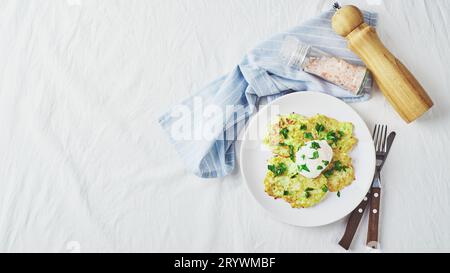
{"x": 353, "y": 223}
{"x": 374, "y": 217}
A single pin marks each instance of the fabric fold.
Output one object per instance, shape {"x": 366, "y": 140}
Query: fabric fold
{"x": 205, "y": 127}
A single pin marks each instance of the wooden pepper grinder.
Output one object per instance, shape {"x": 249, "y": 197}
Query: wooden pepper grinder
{"x": 397, "y": 84}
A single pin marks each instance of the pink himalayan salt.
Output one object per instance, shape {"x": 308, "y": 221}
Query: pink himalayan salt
{"x": 336, "y": 71}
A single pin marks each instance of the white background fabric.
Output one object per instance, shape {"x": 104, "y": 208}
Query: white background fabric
{"x": 85, "y": 167}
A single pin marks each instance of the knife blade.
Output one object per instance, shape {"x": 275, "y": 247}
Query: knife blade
{"x": 376, "y": 183}
{"x": 390, "y": 140}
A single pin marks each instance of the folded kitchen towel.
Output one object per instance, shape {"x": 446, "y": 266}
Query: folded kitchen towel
{"x": 205, "y": 127}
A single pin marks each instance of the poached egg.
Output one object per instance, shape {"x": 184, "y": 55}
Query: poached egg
{"x": 313, "y": 158}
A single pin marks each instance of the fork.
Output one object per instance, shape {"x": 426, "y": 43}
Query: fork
{"x": 380, "y": 141}
{"x": 382, "y": 149}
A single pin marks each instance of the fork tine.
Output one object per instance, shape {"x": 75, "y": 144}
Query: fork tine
{"x": 375, "y": 137}
{"x": 379, "y": 131}
{"x": 384, "y": 139}
{"x": 380, "y": 139}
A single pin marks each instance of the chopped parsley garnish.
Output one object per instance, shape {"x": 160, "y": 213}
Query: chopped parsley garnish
{"x": 320, "y": 128}
{"x": 325, "y": 162}
{"x": 303, "y": 157}
{"x": 315, "y": 145}
{"x": 272, "y": 168}
{"x": 282, "y": 144}
{"x": 291, "y": 153}
{"x": 319, "y": 168}
{"x": 339, "y": 167}
{"x": 303, "y": 127}
{"x": 285, "y": 193}
{"x": 309, "y": 189}
{"x": 315, "y": 155}
{"x": 341, "y": 134}
{"x": 324, "y": 188}
{"x": 294, "y": 176}
{"x": 303, "y": 168}
{"x": 328, "y": 173}
{"x": 308, "y": 135}
{"x": 277, "y": 170}
{"x": 336, "y": 167}
{"x": 306, "y": 194}
{"x": 331, "y": 136}
{"x": 284, "y": 132}
{"x": 339, "y": 194}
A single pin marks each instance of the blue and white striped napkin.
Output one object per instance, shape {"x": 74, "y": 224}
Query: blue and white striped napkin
{"x": 261, "y": 73}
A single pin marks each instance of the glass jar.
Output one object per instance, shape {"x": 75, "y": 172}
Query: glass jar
{"x": 332, "y": 69}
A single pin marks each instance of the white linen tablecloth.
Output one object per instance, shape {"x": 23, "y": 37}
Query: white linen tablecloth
{"x": 85, "y": 167}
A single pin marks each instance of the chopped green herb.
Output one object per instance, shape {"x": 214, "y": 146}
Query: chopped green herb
{"x": 285, "y": 193}
{"x": 328, "y": 173}
{"x": 306, "y": 194}
{"x": 294, "y": 176}
{"x": 291, "y": 153}
{"x": 339, "y": 194}
{"x": 308, "y": 135}
{"x": 303, "y": 127}
{"x": 284, "y": 132}
{"x": 319, "y": 168}
{"x": 331, "y": 136}
{"x": 272, "y": 168}
{"x": 282, "y": 144}
{"x": 325, "y": 162}
{"x": 309, "y": 189}
{"x": 320, "y": 128}
{"x": 282, "y": 168}
{"x": 315, "y": 155}
{"x": 339, "y": 167}
{"x": 341, "y": 134}
{"x": 303, "y": 157}
{"x": 324, "y": 188}
{"x": 303, "y": 168}
{"x": 315, "y": 145}
{"x": 277, "y": 170}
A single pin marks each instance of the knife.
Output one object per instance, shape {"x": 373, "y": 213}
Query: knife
{"x": 357, "y": 213}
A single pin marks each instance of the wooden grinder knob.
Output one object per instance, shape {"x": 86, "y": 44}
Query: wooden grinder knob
{"x": 398, "y": 85}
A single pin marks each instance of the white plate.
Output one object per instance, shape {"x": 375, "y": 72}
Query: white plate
{"x": 254, "y": 156}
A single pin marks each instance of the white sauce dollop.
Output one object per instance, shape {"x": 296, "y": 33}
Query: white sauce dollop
{"x": 314, "y": 157}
